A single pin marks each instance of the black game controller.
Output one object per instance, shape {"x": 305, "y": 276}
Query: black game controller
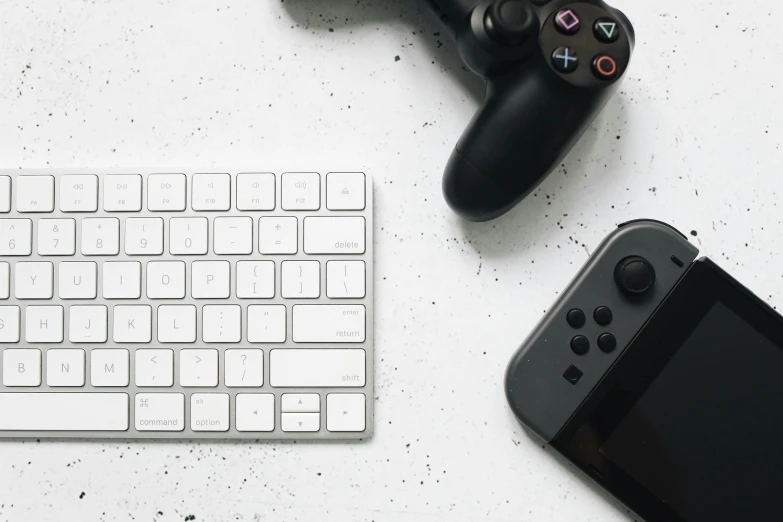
{"x": 550, "y": 67}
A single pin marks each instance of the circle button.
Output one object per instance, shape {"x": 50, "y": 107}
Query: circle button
{"x": 576, "y": 318}
{"x": 580, "y": 344}
{"x": 565, "y": 59}
{"x": 602, "y": 315}
{"x": 634, "y": 276}
{"x": 605, "y": 67}
{"x": 606, "y": 30}
{"x": 607, "y": 342}
{"x": 567, "y": 22}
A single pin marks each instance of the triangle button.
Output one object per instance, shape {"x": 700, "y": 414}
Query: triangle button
{"x": 606, "y": 30}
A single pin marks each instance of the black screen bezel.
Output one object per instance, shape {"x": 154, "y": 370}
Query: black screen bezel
{"x": 701, "y": 287}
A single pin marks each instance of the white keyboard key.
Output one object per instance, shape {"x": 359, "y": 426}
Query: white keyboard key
{"x": 16, "y": 237}
{"x": 233, "y": 235}
{"x": 160, "y": 411}
{"x": 5, "y": 280}
{"x": 244, "y": 368}
{"x": 21, "y": 367}
{"x": 221, "y": 324}
{"x": 266, "y": 323}
{"x": 78, "y": 280}
{"x": 109, "y": 367}
{"x": 301, "y": 279}
{"x": 122, "y": 280}
{"x": 167, "y": 192}
{"x": 56, "y": 237}
{"x": 9, "y": 324}
{"x": 177, "y": 324}
{"x": 35, "y": 193}
{"x": 301, "y": 191}
{"x": 34, "y": 280}
{"x": 100, "y": 236}
{"x": 210, "y": 279}
{"x": 79, "y": 193}
{"x": 132, "y": 324}
{"x": 5, "y": 194}
{"x": 154, "y": 368}
{"x": 87, "y": 324}
{"x": 211, "y": 192}
{"x": 300, "y": 421}
{"x": 345, "y": 412}
{"x": 43, "y": 324}
{"x": 122, "y": 193}
{"x": 255, "y": 191}
{"x": 63, "y": 412}
{"x": 300, "y": 403}
{"x": 255, "y": 412}
{"x": 321, "y": 367}
{"x": 329, "y": 324}
{"x": 255, "y": 279}
{"x": 345, "y": 191}
{"x": 345, "y": 279}
{"x": 188, "y": 236}
{"x": 65, "y": 367}
{"x": 277, "y": 235}
{"x": 144, "y": 236}
{"x": 334, "y": 235}
{"x": 198, "y": 368}
{"x": 209, "y": 412}
{"x": 166, "y": 279}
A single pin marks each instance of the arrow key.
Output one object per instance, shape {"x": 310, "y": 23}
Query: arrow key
{"x": 606, "y": 30}
{"x": 345, "y": 412}
{"x": 301, "y": 421}
{"x": 255, "y": 412}
{"x": 301, "y": 403}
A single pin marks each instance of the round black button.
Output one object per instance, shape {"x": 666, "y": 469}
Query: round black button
{"x": 602, "y": 315}
{"x": 634, "y": 276}
{"x": 580, "y": 344}
{"x": 576, "y": 318}
{"x": 565, "y": 59}
{"x": 606, "y": 30}
{"x": 605, "y": 67}
{"x": 567, "y": 22}
{"x": 510, "y": 22}
{"x": 607, "y": 343}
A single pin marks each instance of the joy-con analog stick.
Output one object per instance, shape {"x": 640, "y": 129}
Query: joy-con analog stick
{"x": 634, "y": 275}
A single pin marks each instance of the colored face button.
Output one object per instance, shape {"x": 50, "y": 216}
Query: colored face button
{"x": 565, "y": 59}
{"x": 566, "y": 21}
{"x": 606, "y": 30}
{"x": 604, "y": 67}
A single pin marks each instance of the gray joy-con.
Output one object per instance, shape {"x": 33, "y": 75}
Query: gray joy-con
{"x": 593, "y": 321}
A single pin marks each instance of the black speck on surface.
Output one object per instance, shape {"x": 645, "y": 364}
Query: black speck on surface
{"x": 190, "y": 517}
{"x": 397, "y": 58}
{"x": 694, "y": 233}
{"x": 82, "y": 495}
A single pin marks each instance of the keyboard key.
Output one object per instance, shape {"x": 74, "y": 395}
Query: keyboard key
{"x": 300, "y": 421}
{"x": 78, "y": 280}
{"x": 109, "y": 367}
{"x": 122, "y": 280}
{"x": 132, "y": 324}
{"x": 88, "y": 324}
{"x": 160, "y": 411}
{"x": 122, "y": 193}
{"x": 65, "y": 367}
{"x": 210, "y": 279}
{"x": 144, "y": 236}
{"x": 345, "y": 191}
{"x": 255, "y": 412}
{"x": 334, "y": 235}
{"x": 244, "y": 368}
{"x": 177, "y": 324}
{"x": 198, "y": 368}
{"x": 209, "y": 412}
{"x": 277, "y": 235}
{"x": 221, "y": 324}
{"x": 16, "y": 237}
{"x": 5, "y": 280}
{"x": 266, "y": 323}
{"x": 255, "y": 191}
{"x": 345, "y": 412}
{"x": 9, "y": 324}
{"x": 211, "y": 192}
{"x": 300, "y": 403}
{"x": 56, "y": 237}
{"x": 188, "y": 236}
{"x": 166, "y": 279}
{"x": 35, "y": 193}
{"x": 255, "y": 279}
{"x": 43, "y": 324}
{"x": 167, "y": 192}
{"x": 154, "y": 368}
{"x": 64, "y": 411}
{"x": 301, "y": 279}
{"x": 21, "y": 367}
{"x": 79, "y": 193}
{"x": 100, "y": 236}
{"x": 34, "y": 280}
{"x": 345, "y": 279}
{"x": 321, "y": 367}
{"x": 329, "y": 324}
{"x": 233, "y": 235}
{"x": 301, "y": 191}
{"x": 5, "y": 194}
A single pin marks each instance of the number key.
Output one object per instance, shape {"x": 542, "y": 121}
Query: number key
{"x": 188, "y": 236}
{"x": 16, "y": 237}
{"x": 56, "y": 237}
{"x": 144, "y": 236}
{"x": 100, "y": 236}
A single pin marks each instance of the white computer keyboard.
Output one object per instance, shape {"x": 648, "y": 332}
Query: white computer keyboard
{"x": 142, "y": 303}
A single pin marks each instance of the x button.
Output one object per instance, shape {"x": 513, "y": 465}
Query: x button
{"x": 565, "y": 59}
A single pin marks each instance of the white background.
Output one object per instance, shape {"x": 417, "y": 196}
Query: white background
{"x": 693, "y": 138}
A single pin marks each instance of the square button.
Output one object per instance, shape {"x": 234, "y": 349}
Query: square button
{"x": 573, "y": 374}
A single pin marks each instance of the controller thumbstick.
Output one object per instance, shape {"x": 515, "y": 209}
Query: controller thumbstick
{"x": 510, "y": 22}
{"x": 634, "y": 276}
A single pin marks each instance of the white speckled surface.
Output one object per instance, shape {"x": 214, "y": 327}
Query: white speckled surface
{"x": 693, "y": 139}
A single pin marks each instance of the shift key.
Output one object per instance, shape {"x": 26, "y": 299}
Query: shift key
{"x": 317, "y": 368}
{"x": 329, "y": 324}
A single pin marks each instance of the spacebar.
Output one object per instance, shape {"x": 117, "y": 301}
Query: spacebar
{"x": 63, "y": 411}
